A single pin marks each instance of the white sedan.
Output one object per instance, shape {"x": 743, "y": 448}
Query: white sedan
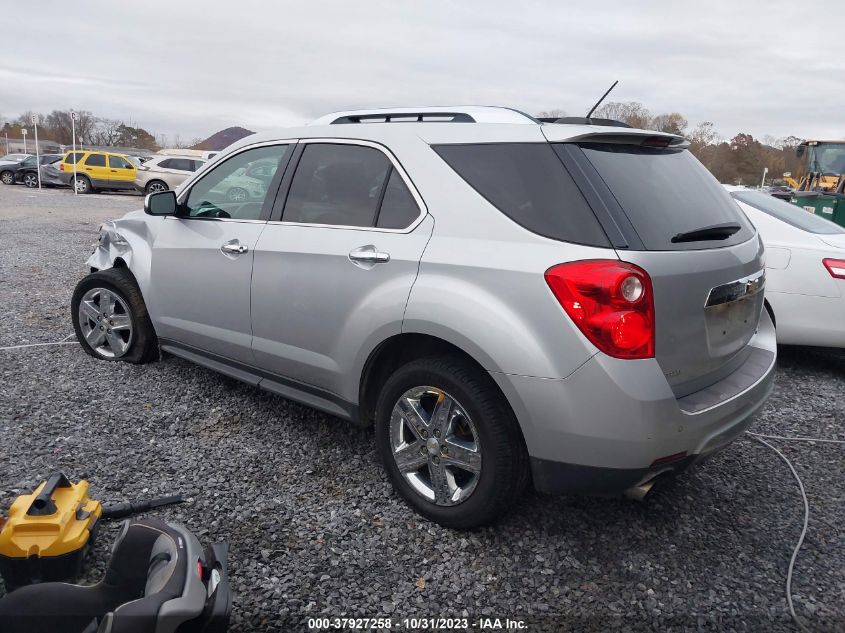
{"x": 805, "y": 269}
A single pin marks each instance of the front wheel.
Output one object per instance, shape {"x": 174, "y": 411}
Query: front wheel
{"x": 450, "y": 443}
{"x": 110, "y": 318}
{"x": 7, "y": 178}
{"x": 156, "y": 186}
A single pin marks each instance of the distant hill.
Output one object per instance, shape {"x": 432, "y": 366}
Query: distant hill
{"x": 223, "y": 138}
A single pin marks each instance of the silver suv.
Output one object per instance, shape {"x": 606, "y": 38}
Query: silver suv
{"x": 508, "y": 301}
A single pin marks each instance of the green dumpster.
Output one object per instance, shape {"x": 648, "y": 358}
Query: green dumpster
{"x": 830, "y": 206}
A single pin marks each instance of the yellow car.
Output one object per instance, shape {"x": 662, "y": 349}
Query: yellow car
{"x": 97, "y": 171}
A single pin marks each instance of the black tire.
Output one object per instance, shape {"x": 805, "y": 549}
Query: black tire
{"x": 83, "y": 184}
{"x": 7, "y": 177}
{"x": 504, "y": 466}
{"x": 143, "y": 347}
{"x": 30, "y": 180}
{"x": 147, "y": 189}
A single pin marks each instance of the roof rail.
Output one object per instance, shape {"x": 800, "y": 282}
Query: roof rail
{"x": 580, "y": 120}
{"x": 443, "y": 114}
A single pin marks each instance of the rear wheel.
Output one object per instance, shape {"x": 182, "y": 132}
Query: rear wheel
{"x": 30, "y": 180}
{"x": 110, "y": 318}
{"x": 156, "y": 186}
{"x": 449, "y": 442}
{"x": 7, "y": 177}
{"x": 83, "y": 185}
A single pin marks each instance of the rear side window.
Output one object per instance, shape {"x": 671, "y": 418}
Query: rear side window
{"x": 337, "y": 184}
{"x": 529, "y": 184}
{"x": 398, "y": 207}
{"x": 666, "y": 192}
{"x": 789, "y": 213}
{"x": 73, "y": 157}
{"x": 96, "y": 160}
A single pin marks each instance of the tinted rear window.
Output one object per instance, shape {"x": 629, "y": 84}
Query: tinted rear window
{"x": 666, "y": 192}
{"x": 528, "y": 183}
{"x": 789, "y": 213}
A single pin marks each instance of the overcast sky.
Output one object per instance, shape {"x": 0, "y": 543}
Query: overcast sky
{"x": 193, "y": 67}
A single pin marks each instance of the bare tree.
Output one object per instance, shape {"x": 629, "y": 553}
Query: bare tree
{"x": 107, "y": 132}
{"x": 555, "y": 113}
{"x": 60, "y": 125}
{"x": 671, "y": 123}
{"x": 633, "y": 113}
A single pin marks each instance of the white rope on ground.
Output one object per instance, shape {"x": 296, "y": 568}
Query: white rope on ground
{"x": 803, "y": 529}
{"x": 795, "y": 439}
{"x": 38, "y": 345}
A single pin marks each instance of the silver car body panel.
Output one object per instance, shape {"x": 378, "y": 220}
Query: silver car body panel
{"x": 296, "y": 315}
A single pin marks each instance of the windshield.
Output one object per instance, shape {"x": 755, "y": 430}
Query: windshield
{"x": 666, "y": 193}
{"x": 828, "y": 158}
{"x": 789, "y": 213}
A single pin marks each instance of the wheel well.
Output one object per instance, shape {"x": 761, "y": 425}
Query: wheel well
{"x": 392, "y": 354}
{"x": 771, "y": 312}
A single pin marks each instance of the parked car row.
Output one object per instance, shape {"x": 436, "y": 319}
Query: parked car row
{"x": 92, "y": 170}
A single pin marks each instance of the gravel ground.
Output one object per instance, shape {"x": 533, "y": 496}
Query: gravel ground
{"x": 315, "y": 528}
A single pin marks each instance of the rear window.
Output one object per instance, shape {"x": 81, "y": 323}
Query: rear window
{"x": 96, "y": 160}
{"x": 666, "y": 192}
{"x": 528, "y": 183}
{"x": 789, "y": 213}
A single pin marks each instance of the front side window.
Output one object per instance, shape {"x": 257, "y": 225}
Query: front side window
{"x": 337, "y": 184}
{"x": 27, "y": 162}
{"x": 229, "y": 191}
{"x": 95, "y": 160}
{"x": 116, "y": 162}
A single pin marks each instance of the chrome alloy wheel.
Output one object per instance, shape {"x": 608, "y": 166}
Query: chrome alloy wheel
{"x": 156, "y": 187}
{"x": 30, "y": 180}
{"x": 105, "y": 322}
{"x": 435, "y": 445}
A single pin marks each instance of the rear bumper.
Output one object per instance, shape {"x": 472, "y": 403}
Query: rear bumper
{"x": 602, "y": 429}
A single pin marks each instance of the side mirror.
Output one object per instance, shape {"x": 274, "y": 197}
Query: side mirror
{"x": 161, "y": 203}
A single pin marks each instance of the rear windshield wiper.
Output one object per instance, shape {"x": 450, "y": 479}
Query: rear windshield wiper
{"x": 707, "y": 233}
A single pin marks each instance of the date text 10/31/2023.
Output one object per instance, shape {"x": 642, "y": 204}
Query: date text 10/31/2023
{"x": 416, "y": 624}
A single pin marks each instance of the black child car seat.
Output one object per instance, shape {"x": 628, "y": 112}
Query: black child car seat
{"x": 158, "y": 580}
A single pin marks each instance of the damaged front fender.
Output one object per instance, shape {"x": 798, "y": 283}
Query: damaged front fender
{"x": 128, "y": 239}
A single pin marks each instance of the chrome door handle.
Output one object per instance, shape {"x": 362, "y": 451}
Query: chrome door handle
{"x": 368, "y": 254}
{"x": 234, "y": 247}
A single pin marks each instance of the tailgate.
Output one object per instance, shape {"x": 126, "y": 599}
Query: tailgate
{"x": 707, "y": 306}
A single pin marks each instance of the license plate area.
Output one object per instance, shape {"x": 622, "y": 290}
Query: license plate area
{"x": 731, "y": 313}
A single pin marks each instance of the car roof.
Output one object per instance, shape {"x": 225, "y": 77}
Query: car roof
{"x": 451, "y": 124}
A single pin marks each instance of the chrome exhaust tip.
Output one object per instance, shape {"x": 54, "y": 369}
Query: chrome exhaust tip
{"x": 640, "y": 491}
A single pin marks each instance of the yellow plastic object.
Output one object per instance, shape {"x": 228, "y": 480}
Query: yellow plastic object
{"x": 54, "y": 523}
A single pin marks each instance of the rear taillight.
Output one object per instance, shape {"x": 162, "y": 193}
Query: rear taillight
{"x": 61, "y": 167}
{"x": 836, "y": 267}
{"x": 611, "y": 302}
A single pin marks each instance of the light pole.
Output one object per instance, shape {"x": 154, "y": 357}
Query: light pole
{"x": 763, "y": 180}
{"x": 73, "y": 136}
{"x": 23, "y": 132}
{"x": 37, "y": 150}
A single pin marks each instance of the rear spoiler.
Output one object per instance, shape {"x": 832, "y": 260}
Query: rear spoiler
{"x": 645, "y": 138}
